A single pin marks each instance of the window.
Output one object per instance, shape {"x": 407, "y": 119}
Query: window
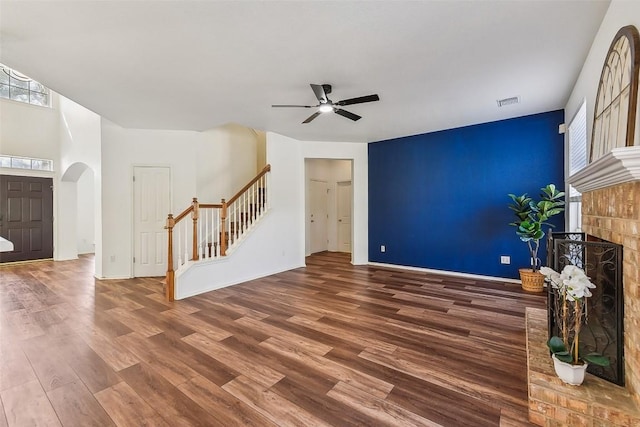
{"x": 616, "y": 102}
{"x": 18, "y": 87}
{"x": 26, "y": 163}
{"x": 577, "y": 159}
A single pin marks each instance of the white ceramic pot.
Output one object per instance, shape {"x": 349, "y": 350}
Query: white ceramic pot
{"x": 568, "y": 373}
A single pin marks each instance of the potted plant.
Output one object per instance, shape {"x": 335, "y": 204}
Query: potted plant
{"x": 571, "y": 289}
{"x": 531, "y": 217}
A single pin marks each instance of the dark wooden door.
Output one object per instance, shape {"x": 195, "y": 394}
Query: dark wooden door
{"x": 26, "y": 217}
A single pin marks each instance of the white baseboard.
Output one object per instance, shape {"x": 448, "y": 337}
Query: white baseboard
{"x": 445, "y": 272}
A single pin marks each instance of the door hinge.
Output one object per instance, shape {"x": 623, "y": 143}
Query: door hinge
{"x": 134, "y": 260}
{"x": 134, "y": 178}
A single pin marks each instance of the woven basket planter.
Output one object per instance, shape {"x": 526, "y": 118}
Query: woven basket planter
{"x": 532, "y": 281}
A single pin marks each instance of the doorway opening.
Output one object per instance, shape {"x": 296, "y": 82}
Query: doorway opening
{"x": 328, "y": 205}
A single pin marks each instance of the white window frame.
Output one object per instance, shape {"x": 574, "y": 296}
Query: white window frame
{"x": 25, "y": 163}
{"x": 576, "y": 158}
{"x": 13, "y": 75}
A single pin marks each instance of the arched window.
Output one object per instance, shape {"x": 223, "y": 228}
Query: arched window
{"x": 19, "y": 87}
{"x": 615, "y": 109}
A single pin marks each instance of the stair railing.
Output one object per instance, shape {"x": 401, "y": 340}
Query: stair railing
{"x": 215, "y": 229}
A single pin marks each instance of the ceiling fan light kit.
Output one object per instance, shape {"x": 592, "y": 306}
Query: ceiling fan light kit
{"x": 325, "y": 105}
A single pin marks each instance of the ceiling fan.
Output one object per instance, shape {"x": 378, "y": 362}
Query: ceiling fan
{"x": 326, "y": 105}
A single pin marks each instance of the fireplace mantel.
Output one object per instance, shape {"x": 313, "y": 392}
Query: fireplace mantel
{"x": 617, "y": 167}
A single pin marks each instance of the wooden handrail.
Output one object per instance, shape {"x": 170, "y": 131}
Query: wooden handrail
{"x": 184, "y": 213}
{"x": 246, "y": 187}
{"x": 194, "y": 210}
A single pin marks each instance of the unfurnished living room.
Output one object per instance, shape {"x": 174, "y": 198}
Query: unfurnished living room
{"x": 319, "y": 213}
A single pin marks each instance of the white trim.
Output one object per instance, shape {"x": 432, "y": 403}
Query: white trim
{"x": 27, "y": 172}
{"x": 445, "y": 272}
{"x": 618, "y": 166}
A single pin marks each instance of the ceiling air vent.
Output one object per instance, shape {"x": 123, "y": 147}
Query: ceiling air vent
{"x": 508, "y": 101}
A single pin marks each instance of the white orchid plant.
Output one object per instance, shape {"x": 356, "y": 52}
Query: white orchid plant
{"x": 572, "y": 287}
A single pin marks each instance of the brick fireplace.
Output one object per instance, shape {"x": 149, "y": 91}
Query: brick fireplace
{"x": 611, "y": 211}
{"x": 610, "y": 190}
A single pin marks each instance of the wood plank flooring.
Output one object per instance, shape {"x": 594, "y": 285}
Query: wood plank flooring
{"x": 327, "y": 345}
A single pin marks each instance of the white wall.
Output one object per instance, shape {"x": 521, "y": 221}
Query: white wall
{"x": 226, "y": 161}
{"x": 122, "y": 149}
{"x": 261, "y": 146}
{"x": 278, "y": 242}
{"x": 79, "y": 194}
{"x": 29, "y": 131}
{"x": 66, "y": 133}
{"x": 85, "y": 217}
{"x": 208, "y": 165}
{"x": 619, "y": 14}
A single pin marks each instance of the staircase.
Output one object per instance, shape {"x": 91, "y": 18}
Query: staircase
{"x": 215, "y": 230}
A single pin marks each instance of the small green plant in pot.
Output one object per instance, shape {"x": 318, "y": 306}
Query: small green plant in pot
{"x": 531, "y": 216}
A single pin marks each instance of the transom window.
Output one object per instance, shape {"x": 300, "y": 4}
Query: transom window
{"x": 17, "y": 86}
{"x": 26, "y": 163}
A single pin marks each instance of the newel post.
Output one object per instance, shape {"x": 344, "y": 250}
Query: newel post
{"x": 194, "y": 216}
{"x": 223, "y": 229}
{"x": 170, "y": 273}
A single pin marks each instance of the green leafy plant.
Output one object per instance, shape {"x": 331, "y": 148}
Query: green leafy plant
{"x": 532, "y": 215}
{"x": 571, "y": 289}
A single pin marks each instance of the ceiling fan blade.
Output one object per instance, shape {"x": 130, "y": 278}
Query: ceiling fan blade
{"x": 347, "y": 114}
{"x": 311, "y": 117}
{"x": 320, "y": 93}
{"x": 287, "y": 106}
{"x": 358, "y": 100}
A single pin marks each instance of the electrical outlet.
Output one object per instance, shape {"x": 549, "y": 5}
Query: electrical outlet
{"x": 505, "y": 259}
{"x": 383, "y": 248}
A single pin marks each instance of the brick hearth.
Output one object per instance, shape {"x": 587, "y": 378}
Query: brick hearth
{"x": 552, "y": 403}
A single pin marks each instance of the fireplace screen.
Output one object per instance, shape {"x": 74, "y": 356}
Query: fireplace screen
{"x": 602, "y": 262}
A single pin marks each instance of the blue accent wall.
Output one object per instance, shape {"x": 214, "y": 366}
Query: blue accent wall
{"x": 439, "y": 200}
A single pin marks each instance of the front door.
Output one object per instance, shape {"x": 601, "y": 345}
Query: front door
{"x": 152, "y": 196}
{"x": 26, "y": 217}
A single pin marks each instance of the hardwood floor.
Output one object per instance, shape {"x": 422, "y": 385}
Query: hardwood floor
{"x": 327, "y": 345}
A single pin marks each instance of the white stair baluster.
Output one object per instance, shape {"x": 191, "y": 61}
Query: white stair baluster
{"x": 262, "y": 189}
{"x": 205, "y": 238}
{"x": 199, "y": 237}
{"x": 235, "y": 215}
{"x": 228, "y": 227}
{"x": 186, "y": 243}
{"x": 178, "y": 244}
{"x": 255, "y": 200}
{"x": 217, "y": 231}
{"x": 246, "y": 215}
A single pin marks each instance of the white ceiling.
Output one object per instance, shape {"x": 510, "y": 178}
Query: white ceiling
{"x": 199, "y": 64}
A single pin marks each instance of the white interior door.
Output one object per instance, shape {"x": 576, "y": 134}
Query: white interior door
{"x": 318, "y": 213}
{"x": 152, "y": 196}
{"x": 344, "y": 216}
